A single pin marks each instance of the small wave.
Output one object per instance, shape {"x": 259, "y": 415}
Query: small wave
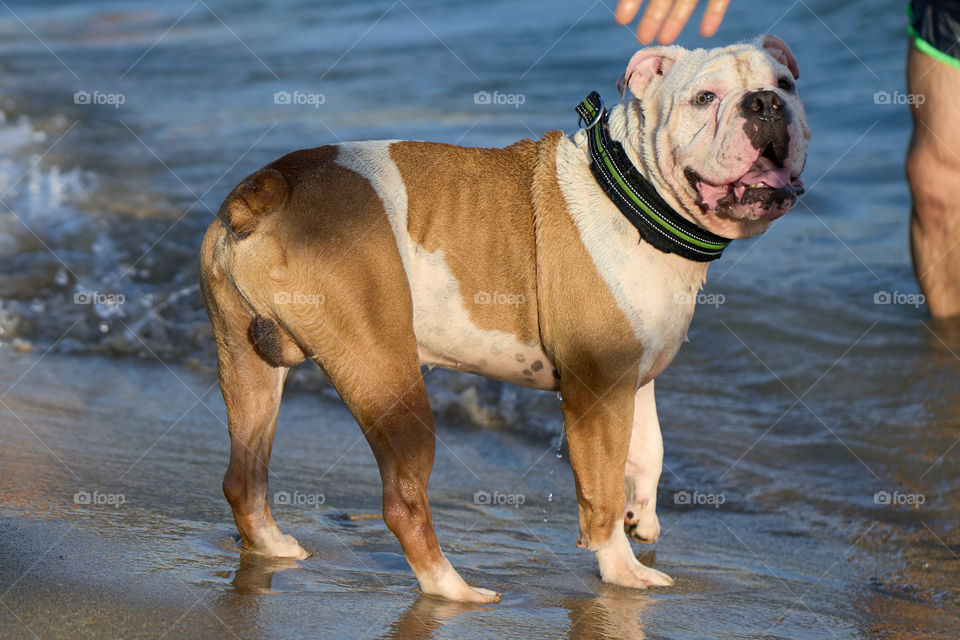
{"x": 75, "y": 278}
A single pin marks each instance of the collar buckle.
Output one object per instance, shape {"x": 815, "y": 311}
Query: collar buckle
{"x": 596, "y": 118}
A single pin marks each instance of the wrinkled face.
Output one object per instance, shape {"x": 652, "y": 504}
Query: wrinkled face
{"x": 727, "y": 130}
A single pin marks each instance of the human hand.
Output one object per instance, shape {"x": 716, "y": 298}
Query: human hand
{"x": 669, "y": 17}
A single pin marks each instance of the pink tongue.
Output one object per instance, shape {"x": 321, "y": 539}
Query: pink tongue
{"x": 773, "y": 178}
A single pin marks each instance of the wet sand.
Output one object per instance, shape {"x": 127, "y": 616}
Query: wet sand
{"x": 162, "y": 560}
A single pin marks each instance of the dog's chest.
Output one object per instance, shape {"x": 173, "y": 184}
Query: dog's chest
{"x": 654, "y": 290}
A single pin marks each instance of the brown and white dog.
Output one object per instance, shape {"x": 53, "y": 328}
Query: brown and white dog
{"x": 375, "y": 258}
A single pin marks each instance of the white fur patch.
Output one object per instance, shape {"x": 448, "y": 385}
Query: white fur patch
{"x": 446, "y": 336}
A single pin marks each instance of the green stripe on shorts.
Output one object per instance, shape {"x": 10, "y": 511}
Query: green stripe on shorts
{"x": 926, "y": 47}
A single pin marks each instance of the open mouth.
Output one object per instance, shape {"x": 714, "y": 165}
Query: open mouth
{"x": 766, "y": 183}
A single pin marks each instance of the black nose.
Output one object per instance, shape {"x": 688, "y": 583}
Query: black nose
{"x": 764, "y": 105}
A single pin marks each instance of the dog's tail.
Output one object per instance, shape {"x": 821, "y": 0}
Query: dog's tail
{"x": 258, "y": 195}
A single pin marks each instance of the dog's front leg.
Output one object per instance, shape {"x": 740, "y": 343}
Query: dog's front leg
{"x": 598, "y": 420}
{"x": 642, "y": 472}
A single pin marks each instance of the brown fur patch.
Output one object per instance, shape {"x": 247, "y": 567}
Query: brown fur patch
{"x": 326, "y": 268}
{"x": 266, "y": 190}
{"x": 475, "y": 205}
{"x": 305, "y": 164}
{"x": 578, "y": 314}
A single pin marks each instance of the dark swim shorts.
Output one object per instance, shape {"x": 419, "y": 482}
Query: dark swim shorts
{"x": 935, "y": 29}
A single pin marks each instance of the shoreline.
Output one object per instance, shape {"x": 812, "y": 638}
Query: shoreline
{"x": 167, "y": 558}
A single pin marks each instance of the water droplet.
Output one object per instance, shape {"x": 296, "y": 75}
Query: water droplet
{"x": 104, "y": 327}
{"x": 550, "y": 498}
{"x": 61, "y": 278}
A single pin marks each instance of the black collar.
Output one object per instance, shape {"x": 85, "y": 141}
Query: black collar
{"x": 637, "y": 199}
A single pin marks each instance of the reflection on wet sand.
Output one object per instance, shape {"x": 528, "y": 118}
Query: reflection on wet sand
{"x": 255, "y": 573}
{"x": 614, "y": 614}
{"x": 426, "y": 616}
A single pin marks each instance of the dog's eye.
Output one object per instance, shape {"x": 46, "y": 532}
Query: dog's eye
{"x": 704, "y": 98}
{"x": 785, "y": 84}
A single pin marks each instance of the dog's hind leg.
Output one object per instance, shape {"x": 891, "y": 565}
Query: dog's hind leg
{"x": 249, "y": 353}
{"x": 362, "y": 336}
{"x": 384, "y": 389}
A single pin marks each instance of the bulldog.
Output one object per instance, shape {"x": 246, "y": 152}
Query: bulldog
{"x": 564, "y": 264}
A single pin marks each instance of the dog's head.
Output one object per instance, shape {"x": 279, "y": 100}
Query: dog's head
{"x": 723, "y": 130}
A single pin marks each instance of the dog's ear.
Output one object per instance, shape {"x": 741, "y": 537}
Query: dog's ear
{"x": 780, "y": 52}
{"x": 648, "y": 67}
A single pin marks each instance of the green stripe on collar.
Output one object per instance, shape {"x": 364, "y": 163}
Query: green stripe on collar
{"x": 658, "y": 224}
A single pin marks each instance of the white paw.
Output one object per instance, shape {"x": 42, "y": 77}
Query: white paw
{"x": 483, "y": 596}
{"x": 465, "y": 593}
{"x": 619, "y": 566}
{"x": 282, "y": 546}
{"x": 638, "y": 577}
{"x": 445, "y": 582}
